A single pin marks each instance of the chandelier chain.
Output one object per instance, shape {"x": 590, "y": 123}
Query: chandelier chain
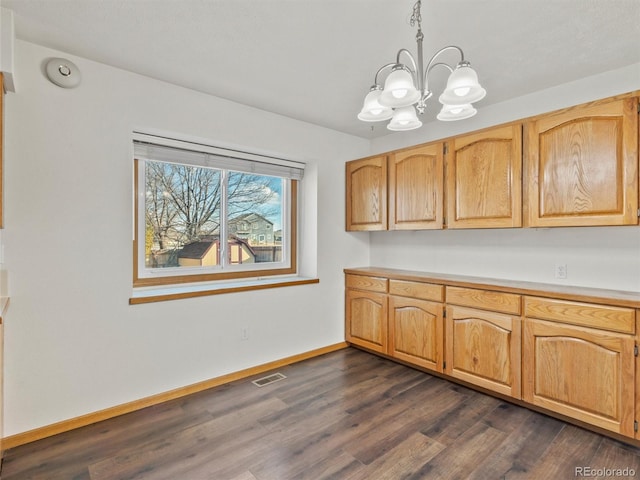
{"x": 416, "y": 16}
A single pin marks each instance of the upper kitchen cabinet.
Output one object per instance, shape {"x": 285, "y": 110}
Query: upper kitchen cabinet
{"x": 484, "y": 179}
{"x": 581, "y": 166}
{"x": 366, "y": 189}
{"x": 416, "y": 188}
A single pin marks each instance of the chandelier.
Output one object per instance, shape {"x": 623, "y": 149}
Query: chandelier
{"x": 406, "y": 88}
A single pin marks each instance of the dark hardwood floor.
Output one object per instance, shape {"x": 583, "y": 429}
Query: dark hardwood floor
{"x": 346, "y": 415}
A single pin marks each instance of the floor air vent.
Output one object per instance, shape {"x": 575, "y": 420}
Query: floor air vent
{"x": 264, "y": 381}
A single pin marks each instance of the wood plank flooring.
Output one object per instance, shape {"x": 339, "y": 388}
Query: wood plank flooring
{"x": 347, "y": 415}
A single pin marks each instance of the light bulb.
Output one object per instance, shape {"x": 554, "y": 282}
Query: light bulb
{"x": 399, "y": 93}
{"x": 456, "y": 112}
{"x": 461, "y": 92}
{"x": 399, "y": 90}
{"x": 372, "y": 111}
{"x": 404, "y": 119}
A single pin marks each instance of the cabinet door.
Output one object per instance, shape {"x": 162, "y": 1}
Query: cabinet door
{"x": 366, "y": 194}
{"x": 584, "y": 373}
{"x": 582, "y": 166}
{"x": 416, "y": 178}
{"x": 483, "y": 348}
{"x": 366, "y": 315}
{"x": 1, "y": 386}
{"x": 637, "y": 372}
{"x": 484, "y": 179}
{"x": 416, "y": 331}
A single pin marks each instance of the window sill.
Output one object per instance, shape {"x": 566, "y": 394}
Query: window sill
{"x": 177, "y": 292}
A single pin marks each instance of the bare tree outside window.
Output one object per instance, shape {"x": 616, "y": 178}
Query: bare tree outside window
{"x": 183, "y": 215}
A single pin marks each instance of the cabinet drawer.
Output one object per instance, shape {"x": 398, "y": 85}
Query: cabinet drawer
{"x": 423, "y": 291}
{"x": 484, "y": 299}
{"x": 605, "y": 317}
{"x": 363, "y": 282}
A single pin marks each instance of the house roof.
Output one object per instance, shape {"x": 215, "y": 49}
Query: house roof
{"x": 196, "y": 250}
{"x": 199, "y": 249}
{"x": 249, "y": 217}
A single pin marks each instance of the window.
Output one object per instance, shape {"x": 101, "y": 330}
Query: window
{"x": 194, "y": 204}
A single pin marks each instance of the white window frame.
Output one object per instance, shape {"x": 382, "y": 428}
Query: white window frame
{"x": 153, "y": 148}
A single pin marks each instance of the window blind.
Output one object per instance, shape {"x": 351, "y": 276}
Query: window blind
{"x": 153, "y": 147}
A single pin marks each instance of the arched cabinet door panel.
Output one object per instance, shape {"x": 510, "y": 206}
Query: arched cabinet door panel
{"x": 483, "y": 348}
{"x": 366, "y": 194}
{"x": 416, "y": 331}
{"x": 416, "y": 186}
{"x": 582, "y": 166}
{"x": 366, "y": 319}
{"x": 484, "y": 179}
{"x": 581, "y": 372}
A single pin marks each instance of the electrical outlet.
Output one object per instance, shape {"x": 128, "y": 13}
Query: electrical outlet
{"x": 244, "y": 333}
{"x": 561, "y": 270}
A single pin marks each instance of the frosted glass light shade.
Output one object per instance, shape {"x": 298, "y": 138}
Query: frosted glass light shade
{"x": 462, "y": 87}
{"x": 372, "y": 111}
{"x": 404, "y": 118}
{"x": 456, "y": 112}
{"x": 399, "y": 90}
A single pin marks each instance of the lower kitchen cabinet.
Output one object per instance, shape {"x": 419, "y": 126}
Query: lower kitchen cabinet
{"x": 366, "y": 319}
{"x": 570, "y": 353}
{"x": 581, "y": 372}
{"x": 483, "y": 348}
{"x": 416, "y": 332}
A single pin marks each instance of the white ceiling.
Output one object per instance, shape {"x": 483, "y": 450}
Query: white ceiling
{"x": 314, "y": 60}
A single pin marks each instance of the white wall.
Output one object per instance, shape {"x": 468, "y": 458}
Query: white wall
{"x": 595, "y": 257}
{"x": 73, "y": 344}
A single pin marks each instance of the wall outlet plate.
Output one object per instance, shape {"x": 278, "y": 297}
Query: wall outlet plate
{"x": 561, "y": 270}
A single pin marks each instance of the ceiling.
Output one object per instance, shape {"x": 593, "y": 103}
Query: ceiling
{"x": 314, "y": 60}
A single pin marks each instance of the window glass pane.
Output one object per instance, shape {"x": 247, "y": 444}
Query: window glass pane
{"x": 182, "y": 215}
{"x": 255, "y": 212}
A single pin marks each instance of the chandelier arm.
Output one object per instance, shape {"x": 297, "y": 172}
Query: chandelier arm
{"x": 444, "y": 49}
{"x": 413, "y": 61}
{"x": 388, "y": 65}
{"x": 428, "y": 71}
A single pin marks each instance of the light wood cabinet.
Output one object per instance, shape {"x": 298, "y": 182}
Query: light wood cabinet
{"x": 416, "y": 325}
{"x": 637, "y": 375}
{"x": 581, "y": 372}
{"x": 570, "y": 351}
{"x": 483, "y": 346}
{"x": 366, "y": 194}
{"x": 484, "y": 179}
{"x": 575, "y": 167}
{"x": 407, "y": 323}
{"x": 366, "y": 312}
{"x": 416, "y": 188}
{"x": 582, "y": 166}
{"x": 1, "y": 388}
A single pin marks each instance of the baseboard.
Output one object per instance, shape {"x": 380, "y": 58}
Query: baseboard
{"x": 90, "y": 418}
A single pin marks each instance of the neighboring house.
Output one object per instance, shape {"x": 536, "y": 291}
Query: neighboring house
{"x": 205, "y": 252}
{"x": 253, "y": 228}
